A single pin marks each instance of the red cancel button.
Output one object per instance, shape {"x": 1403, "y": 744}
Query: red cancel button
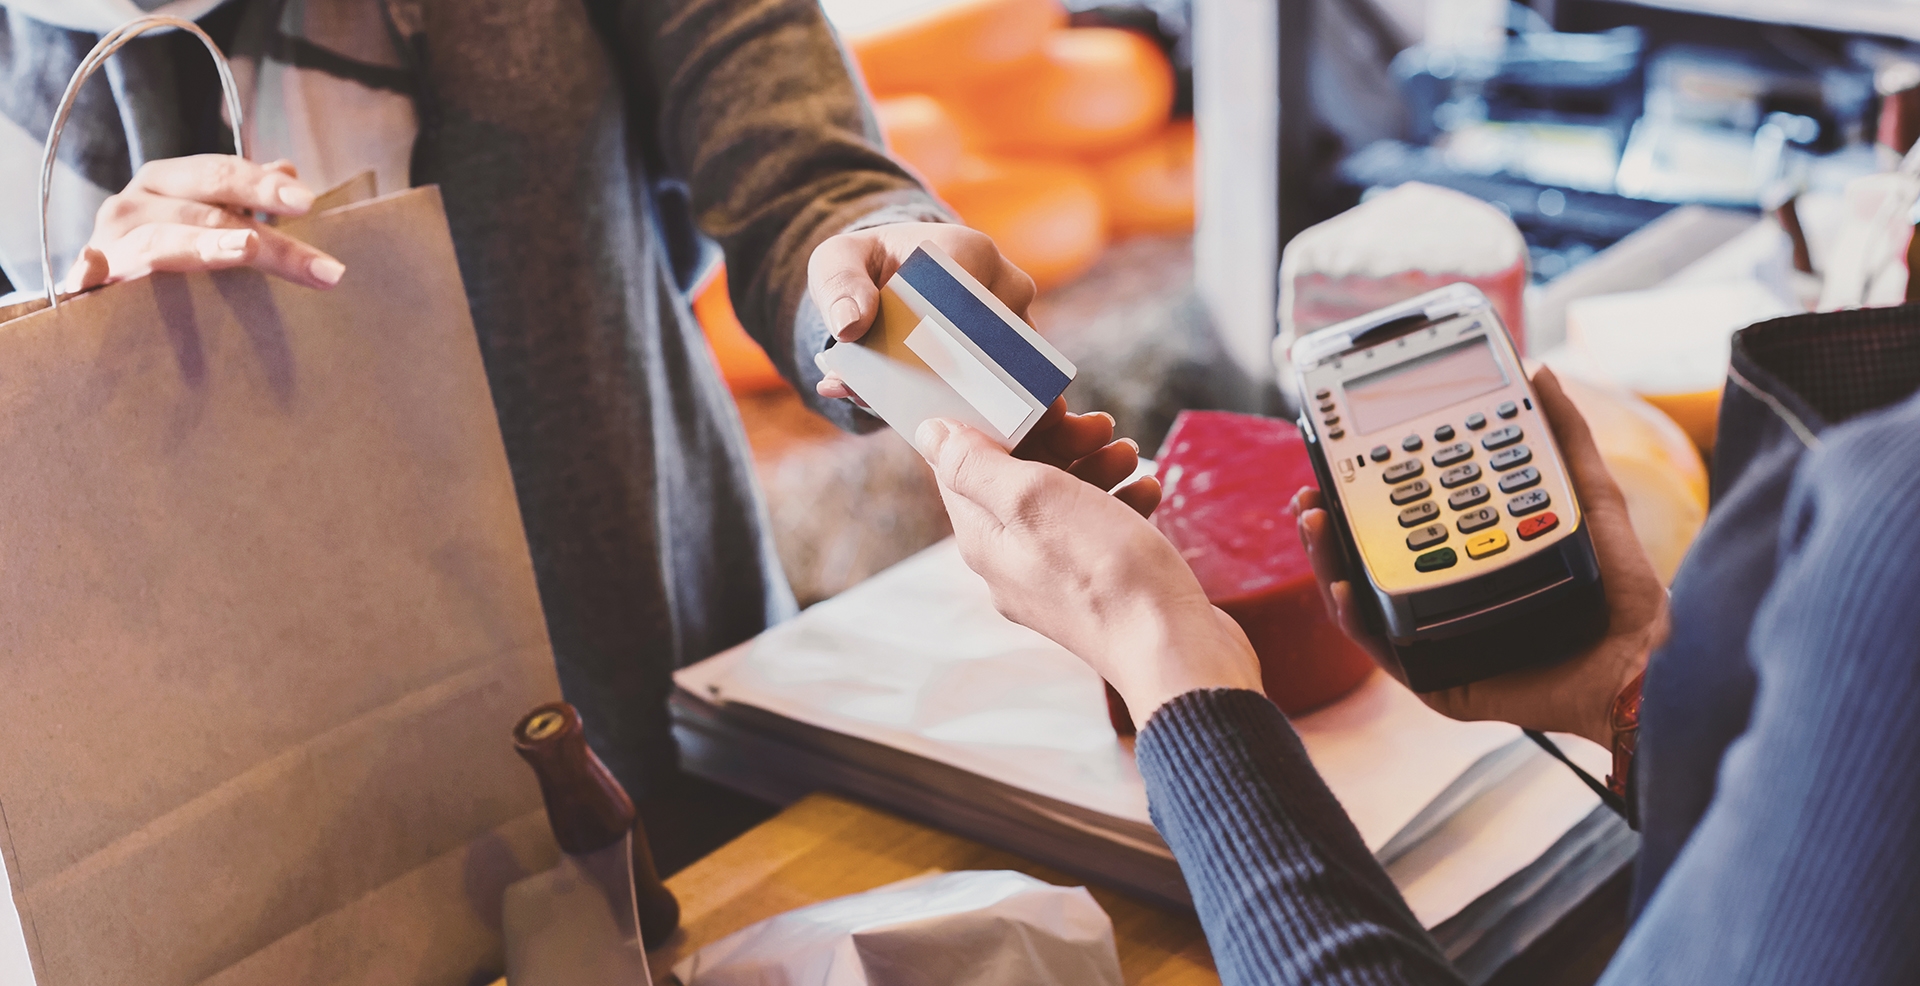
{"x": 1533, "y": 527}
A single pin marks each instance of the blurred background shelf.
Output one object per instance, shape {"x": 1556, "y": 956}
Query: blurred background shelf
{"x": 1893, "y": 18}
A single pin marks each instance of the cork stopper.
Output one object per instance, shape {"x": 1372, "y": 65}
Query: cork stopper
{"x": 586, "y": 806}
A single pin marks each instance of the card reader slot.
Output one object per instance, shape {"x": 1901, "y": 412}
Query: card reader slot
{"x": 1461, "y": 620}
{"x": 1448, "y": 604}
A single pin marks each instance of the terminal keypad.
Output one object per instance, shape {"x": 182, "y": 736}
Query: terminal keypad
{"x": 1467, "y": 501}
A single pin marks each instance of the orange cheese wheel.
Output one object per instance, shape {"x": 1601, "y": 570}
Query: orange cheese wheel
{"x": 1046, "y": 216}
{"x": 920, "y": 132}
{"x": 743, "y": 364}
{"x": 951, "y": 44}
{"x": 1091, "y": 90}
{"x": 1698, "y": 412}
{"x": 1655, "y": 464}
{"x": 1149, "y": 188}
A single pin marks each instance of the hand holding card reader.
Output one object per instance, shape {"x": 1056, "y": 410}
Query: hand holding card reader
{"x": 1457, "y": 516}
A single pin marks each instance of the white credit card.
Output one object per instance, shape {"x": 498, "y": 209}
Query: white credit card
{"x": 943, "y": 346}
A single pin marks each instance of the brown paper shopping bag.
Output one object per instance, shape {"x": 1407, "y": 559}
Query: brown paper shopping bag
{"x": 267, "y": 618}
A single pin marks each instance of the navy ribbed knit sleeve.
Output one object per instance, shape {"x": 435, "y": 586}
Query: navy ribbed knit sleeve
{"x": 1284, "y": 886}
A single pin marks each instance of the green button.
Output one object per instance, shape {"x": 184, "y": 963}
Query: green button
{"x": 1435, "y": 560}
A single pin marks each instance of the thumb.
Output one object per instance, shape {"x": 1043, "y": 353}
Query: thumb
{"x": 970, "y": 466}
{"x": 89, "y": 270}
{"x": 1592, "y": 481}
{"x": 840, "y": 277}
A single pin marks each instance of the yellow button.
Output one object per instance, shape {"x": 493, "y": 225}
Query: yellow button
{"x": 1490, "y": 543}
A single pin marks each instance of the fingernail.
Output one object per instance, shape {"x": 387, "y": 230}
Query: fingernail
{"x": 845, "y": 312}
{"x": 296, "y": 197}
{"x": 928, "y": 438}
{"x": 327, "y": 270}
{"x": 232, "y": 243}
{"x": 1134, "y": 444}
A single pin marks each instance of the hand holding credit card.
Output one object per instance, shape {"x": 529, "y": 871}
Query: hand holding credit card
{"x": 942, "y": 346}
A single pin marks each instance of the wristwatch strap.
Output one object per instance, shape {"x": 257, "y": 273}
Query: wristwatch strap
{"x": 1626, "y": 734}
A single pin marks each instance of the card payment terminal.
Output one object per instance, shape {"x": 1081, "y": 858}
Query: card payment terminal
{"x": 1457, "y": 516}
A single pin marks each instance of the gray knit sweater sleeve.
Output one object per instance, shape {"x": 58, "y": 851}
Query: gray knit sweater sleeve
{"x": 759, "y": 111}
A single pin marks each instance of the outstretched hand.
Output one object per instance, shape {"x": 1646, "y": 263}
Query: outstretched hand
{"x": 845, "y": 273}
{"x": 844, "y": 277}
{"x": 1576, "y": 695}
{"x": 1085, "y": 568}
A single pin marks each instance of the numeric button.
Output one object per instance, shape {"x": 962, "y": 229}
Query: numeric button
{"x": 1426, "y": 537}
{"x": 1475, "y": 494}
{"x": 1477, "y": 518}
{"x": 1501, "y": 437}
{"x": 1519, "y": 455}
{"x": 1403, "y": 471}
{"x": 1410, "y": 492}
{"x": 1447, "y": 455}
{"x": 1460, "y": 475}
{"x": 1528, "y": 502}
{"x": 1419, "y": 513}
{"x": 1519, "y": 479}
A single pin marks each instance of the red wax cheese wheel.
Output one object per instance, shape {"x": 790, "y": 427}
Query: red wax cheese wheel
{"x": 920, "y": 132}
{"x": 952, "y": 44}
{"x": 1091, "y": 90}
{"x": 1227, "y": 481}
{"x": 1149, "y": 188}
{"x": 1046, "y": 216}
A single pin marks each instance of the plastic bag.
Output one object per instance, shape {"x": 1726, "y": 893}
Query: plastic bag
{"x": 973, "y": 928}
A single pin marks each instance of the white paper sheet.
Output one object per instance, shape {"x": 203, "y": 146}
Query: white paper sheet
{"x": 918, "y": 659}
{"x": 16, "y": 969}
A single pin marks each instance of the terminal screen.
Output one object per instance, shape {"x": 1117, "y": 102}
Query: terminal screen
{"x": 1423, "y": 385}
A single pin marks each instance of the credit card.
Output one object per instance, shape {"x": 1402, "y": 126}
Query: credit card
{"x": 943, "y": 346}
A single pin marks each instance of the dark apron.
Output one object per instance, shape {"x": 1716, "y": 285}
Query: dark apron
{"x": 1790, "y": 380}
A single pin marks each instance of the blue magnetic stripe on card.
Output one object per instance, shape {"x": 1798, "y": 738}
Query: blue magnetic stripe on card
{"x": 1025, "y": 364}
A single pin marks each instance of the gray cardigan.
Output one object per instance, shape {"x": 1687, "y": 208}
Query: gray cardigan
{"x": 553, "y": 128}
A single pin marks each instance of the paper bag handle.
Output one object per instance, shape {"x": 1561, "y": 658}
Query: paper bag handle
{"x": 109, "y": 43}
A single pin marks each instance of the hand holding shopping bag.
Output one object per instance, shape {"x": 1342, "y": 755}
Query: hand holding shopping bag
{"x": 266, "y": 615}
